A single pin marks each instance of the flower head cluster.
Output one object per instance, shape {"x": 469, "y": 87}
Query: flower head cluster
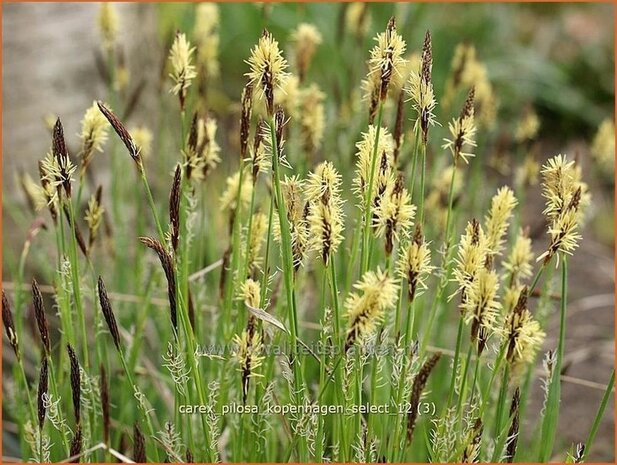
{"x": 463, "y": 131}
{"x": 207, "y": 37}
{"x": 267, "y": 69}
{"x": 259, "y": 227}
{"x": 498, "y": 218}
{"x": 297, "y": 218}
{"x": 471, "y": 257}
{"x": 385, "y": 66}
{"x": 201, "y": 154}
{"x": 565, "y": 196}
{"x": 414, "y": 264}
{"x": 518, "y": 262}
{"x": 312, "y": 117}
{"x": 603, "y": 145}
{"x": 94, "y": 127}
{"x": 94, "y": 215}
{"x": 182, "y": 68}
{"x": 384, "y": 168}
{"x": 229, "y": 199}
{"x": 377, "y": 292}
{"x": 420, "y": 89}
{"x": 522, "y": 333}
{"x": 325, "y": 215}
{"x": 248, "y": 353}
{"x": 108, "y": 25}
{"x": 250, "y": 293}
{"x": 394, "y": 214}
{"x": 306, "y": 38}
{"x": 480, "y": 308}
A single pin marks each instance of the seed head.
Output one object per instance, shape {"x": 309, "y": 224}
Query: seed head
{"x": 480, "y": 308}
{"x": 168, "y": 268}
{"x": 42, "y": 392}
{"x": 471, "y": 256}
{"x": 364, "y": 154}
{"x": 394, "y": 214}
{"x": 522, "y": 333}
{"x": 41, "y": 318}
{"x": 9, "y": 325}
{"x": 182, "y": 69}
{"x": 419, "y": 383}
{"x": 139, "y": 445}
{"x": 248, "y": 353}
{"x": 174, "y": 208}
{"x": 386, "y": 61}
{"x": 108, "y": 313}
{"x": 121, "y": 131}
{"x": 75, "y": 383}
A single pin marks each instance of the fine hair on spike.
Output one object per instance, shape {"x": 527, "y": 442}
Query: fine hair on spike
{"x": 41, "y": 319}
{"x": 108, "y": 313}
{"x": 121, "y": 131}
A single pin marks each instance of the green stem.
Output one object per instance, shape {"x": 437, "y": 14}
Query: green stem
{"x": 596, "y": 421}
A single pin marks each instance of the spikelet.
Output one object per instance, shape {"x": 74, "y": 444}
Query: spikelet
{"x": 471, "y": 256}
{"x": 420, "y": 90}
{"x": 306, "y": 38}
{"x": 143, "y": 139}
{"x": 48, "y": 194}
{"x": 463, "y": 131}
{"x": 229, "y": 199}
{"x": 182, "y": 68}
{"x": 248, "y": 354}
{"x": 108, "y": 314}
{"x": 395, "y": 213}
{"x": 9, "y": 325}
{"x": 498, "y": 219}
{"x": 325, "y": 216}
{"x": 42, "y": 392}
{"x": 603, "y": 146}
{"x": 76, "y": 442}
{"x": 527, "y": 127}
{"x": 94, "y": 128}
{"x": 245, "y": 117}
{"x": 364, "y": 154}
{"x": 260, "y": 158}
{"x": 522, "y": 333}
{"x": 139, "y": 445}
{"x": 385, "y": 66}
{"x": 473, "y": 440}
{"x": 75, "y": 383}
{"x": 297, "y": 216}
{"x": 312, "y": 117}
{"x": 480, "y": 307}
{"x": 108, "y": 25}
{"x": 259, "y": 228}
{"x": 267, "y": 69}
{"x": 41, "y": 318}
{"x": 124, "y": 135}
{"x": 206, "y": 38}
{"x": 414, "y": 264}
{"x": 518, "y": 262}
{"x": 174, "y": 208}
{"x": 377, "y": 292}
{"x": 358, "y": 19}
{"x": 419, "y": 383}
{"x": 514, "y": 427}
{"x": 94, "y": 215}
{"x": 167, "y": 264}
{"x": 566, "y": 196}
{"x": 250, "y": 293}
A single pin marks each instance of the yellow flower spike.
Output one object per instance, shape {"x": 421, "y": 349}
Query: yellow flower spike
{"x": 229, "y": 200}
{"x": 94, "y": 127}
{"x": 463, "y": 131}
{"x": 267, "y": 69}
{"x": 414, "y": 264}
{"x": 377, "y": 292}
{"x": 182, "y": 68}
{"x": 497, "y": 221}
{"x": 394, "y": 214}
{"x": 306, "y": 38}
{"x": 518, "y": 262}
{"x": 481, "y": 307}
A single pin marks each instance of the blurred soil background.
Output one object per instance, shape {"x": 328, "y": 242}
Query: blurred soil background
{"x": 557, "y": 58}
